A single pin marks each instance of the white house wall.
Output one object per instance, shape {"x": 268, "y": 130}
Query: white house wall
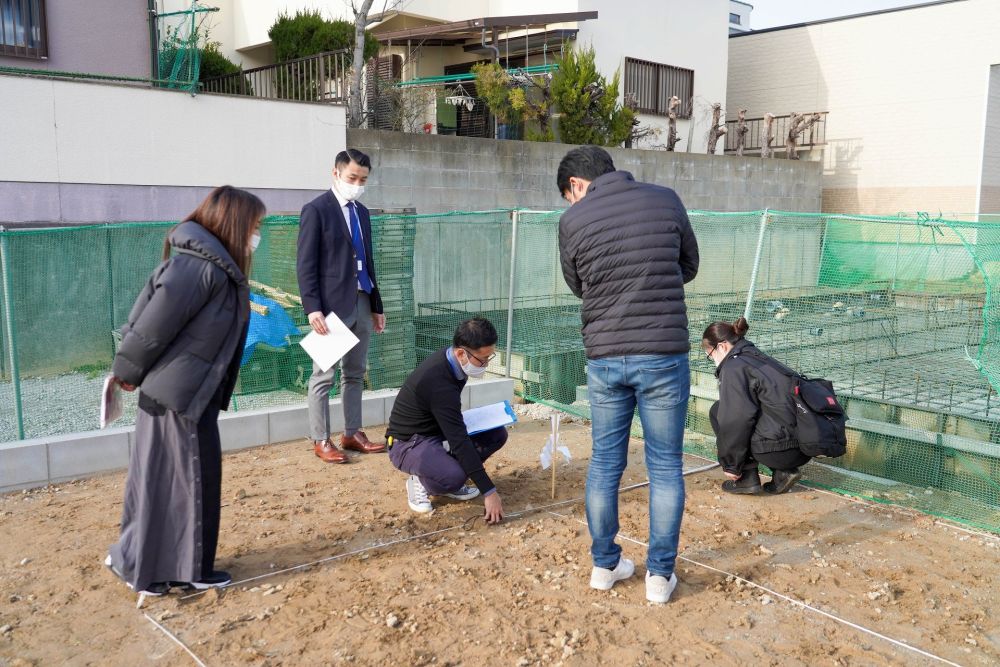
{"x": 906, "y": 92}
{"x": 692, "y": 35}
{"x": 86, "y": 152}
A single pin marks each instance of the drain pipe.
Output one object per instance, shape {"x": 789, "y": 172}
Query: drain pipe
{"x": 492, "y": 47}
{"x": 496, "y": 59}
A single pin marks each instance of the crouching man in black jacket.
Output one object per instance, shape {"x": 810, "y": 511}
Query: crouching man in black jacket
{"x": 427, "y": 436}
{"x": 754, "y": 418}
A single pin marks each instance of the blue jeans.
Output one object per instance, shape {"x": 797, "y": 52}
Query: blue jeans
{"x": 660, "y": 386}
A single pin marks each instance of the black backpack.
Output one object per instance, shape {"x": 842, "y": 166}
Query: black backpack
{"x": 820, "y": 424}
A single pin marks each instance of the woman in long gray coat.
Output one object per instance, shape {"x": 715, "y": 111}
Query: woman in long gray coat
{"x": 181, "y": 348}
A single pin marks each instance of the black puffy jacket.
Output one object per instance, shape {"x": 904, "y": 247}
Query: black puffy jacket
{"x": 755, "y": 412}
{"x": 627, "y": 249}
{"x": 184, "y": 338}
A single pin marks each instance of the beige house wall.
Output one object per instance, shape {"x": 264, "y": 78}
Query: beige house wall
{"x": 906, "y": 93}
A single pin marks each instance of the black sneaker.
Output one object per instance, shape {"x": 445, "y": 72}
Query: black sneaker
{"x": 108, "y": 563}
{"x": 154, "y": 590}
{"x": 783, "y": 480}
{"x": 748, "y": 484}
{"x": 217, "y": 579}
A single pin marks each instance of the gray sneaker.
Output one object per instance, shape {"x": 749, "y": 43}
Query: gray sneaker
{"x": 465, "y": 492}
{"x": 416, "y": 496}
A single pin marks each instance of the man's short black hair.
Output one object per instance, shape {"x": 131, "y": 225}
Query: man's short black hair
{"x": 475, "y": 334}
{"x": 345, "y": 158}
{"x": 586, "y": 162}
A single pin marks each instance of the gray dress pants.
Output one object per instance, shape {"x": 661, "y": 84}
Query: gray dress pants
{"x": 352, "y": 377}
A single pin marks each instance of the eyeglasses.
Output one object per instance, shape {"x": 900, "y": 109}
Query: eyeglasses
{"x": 711, "y": 352}
{"x": 482, "y": 362}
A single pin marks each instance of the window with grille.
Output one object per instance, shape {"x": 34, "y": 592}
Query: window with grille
{"x": 651, "y": 85}
{"x": 22, "y": 28}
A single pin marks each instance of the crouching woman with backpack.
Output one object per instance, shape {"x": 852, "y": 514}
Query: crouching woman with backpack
{"x": 755, "y": 417}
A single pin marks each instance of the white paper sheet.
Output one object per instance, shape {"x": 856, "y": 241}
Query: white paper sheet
{"x": 111, "y": 402}
{"x": 488, "y": 417}
{"x": 331, "y": 348}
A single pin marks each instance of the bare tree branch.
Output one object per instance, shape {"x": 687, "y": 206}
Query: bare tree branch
{"x": 797, "y": 124}
{"x": 717, "y": 130}
{"x": 672, "y": 137}
{"x": 741, "y": 132}
{"x": 768, "y": 131}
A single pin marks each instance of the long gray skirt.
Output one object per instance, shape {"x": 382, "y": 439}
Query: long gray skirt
{"x": 170, "y": 519}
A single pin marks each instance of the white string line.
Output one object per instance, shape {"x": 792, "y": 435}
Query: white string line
{"x": 176, "y": 640}
{"x": 355, "y": 552}
{"x": 792, "y": 600}
{"x": 382, "y": 545}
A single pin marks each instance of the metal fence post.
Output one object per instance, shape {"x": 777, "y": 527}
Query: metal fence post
{"x": 756, "y": 264}
{"x": 8, "y": 306}
{"x": 515, "y": 217}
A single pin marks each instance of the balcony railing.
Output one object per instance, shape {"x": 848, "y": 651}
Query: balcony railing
{"x": 324, "y": 77}
{"x": 814, "y": 136}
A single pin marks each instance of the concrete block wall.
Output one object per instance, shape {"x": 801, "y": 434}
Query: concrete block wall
{"x": 33, "y": 463}
{"x": 436, "y": 173}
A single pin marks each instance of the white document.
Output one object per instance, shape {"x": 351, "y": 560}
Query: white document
{"x": 331, "y": 348}
{"x": 111, "y": 402}
{"x": 488, "y": 417}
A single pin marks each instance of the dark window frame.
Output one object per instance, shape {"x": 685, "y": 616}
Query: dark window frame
{"x": 653, "y": 84}
{"x": 735, "y": 19}
{"x": 38, "y": 48}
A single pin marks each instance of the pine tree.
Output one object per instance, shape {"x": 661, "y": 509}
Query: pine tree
{"x": 589, "y": 112}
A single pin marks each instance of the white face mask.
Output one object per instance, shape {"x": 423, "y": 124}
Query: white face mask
{"x": 254, "y": 241}
{"x": 473, "y": 371}
{"x": 348, "y": 191}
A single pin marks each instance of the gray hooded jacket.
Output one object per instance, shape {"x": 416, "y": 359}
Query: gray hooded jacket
{"x": 183, "y": 341}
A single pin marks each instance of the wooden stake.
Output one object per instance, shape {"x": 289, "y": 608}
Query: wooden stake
{"x": 555, "y": 449}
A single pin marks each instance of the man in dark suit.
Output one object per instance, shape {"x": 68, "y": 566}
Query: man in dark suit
{"x": 336, "y": 274}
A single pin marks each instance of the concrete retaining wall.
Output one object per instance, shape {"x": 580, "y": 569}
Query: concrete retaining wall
{"x": 32, "y": 463}
{"x": 438, "y": 173}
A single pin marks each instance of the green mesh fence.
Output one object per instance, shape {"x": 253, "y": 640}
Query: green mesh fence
{"x": 900, "y": 313}
{"x": 177, "y": 53}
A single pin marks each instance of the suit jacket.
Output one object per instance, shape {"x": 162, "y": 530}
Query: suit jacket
{"x": 325, "y": 264}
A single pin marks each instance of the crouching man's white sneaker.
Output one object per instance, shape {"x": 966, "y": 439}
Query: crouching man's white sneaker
{"x": 416, "y": 496}
{"x": 658, "y": 589}
{"x": 603, "y": 579}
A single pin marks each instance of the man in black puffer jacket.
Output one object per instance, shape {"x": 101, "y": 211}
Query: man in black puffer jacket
{"x": 627, "y": 249}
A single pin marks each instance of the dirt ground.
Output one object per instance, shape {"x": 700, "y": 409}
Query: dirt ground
{"x": 516, "y": 594}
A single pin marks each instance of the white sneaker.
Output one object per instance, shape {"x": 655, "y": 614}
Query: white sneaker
{"x": 603, "y": 579}
{"x": 464, "y": 493}
{"x": 658, "y": 589}
{"x": 416, "y": 496}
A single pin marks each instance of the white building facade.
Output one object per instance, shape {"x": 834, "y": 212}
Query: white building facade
{"x": 659, "y": 47}
{"x": 913, "y": 97}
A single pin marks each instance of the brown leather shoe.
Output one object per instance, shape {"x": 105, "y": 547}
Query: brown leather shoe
{"x": 359, "y": 442}
{"x": 327, "y": 452}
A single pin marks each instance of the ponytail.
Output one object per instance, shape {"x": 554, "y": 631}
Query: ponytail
{"x": 718, "y": 332}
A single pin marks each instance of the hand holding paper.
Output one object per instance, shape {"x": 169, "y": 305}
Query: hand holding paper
{"x": 331, "y": 348}
{"x": 111, "y": 402}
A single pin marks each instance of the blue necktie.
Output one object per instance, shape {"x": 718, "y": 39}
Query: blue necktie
{"x": 359, "y": 250}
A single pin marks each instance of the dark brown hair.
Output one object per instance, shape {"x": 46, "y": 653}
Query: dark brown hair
{"x": 230, "y": 215}
{"x": 717, "y": 332}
